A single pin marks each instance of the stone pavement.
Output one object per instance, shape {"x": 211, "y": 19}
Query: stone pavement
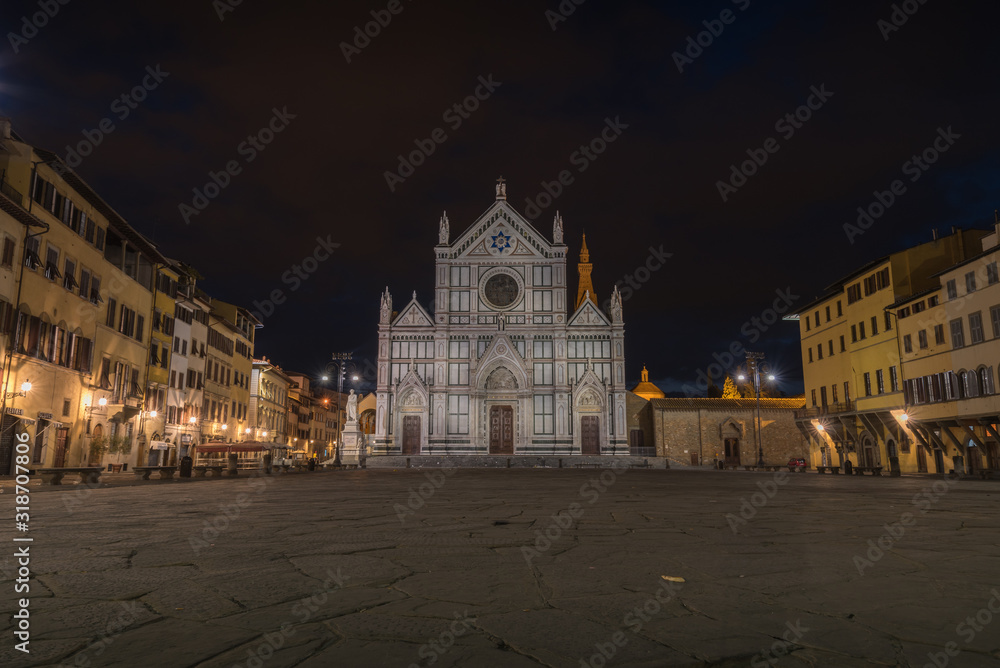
{"x": 513, "y": 568}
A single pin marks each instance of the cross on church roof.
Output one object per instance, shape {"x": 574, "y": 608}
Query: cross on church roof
{"x": 501, "y": 188}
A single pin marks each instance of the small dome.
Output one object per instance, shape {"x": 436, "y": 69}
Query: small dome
{"x": 646, "y": 389}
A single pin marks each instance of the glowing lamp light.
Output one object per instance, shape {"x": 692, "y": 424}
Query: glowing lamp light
{"x": 153, "y": 414}
{"x": 820, "y": 427}
{"x": 354, "y": 377}
{"x": 904, "y": 417}
{"x": 265, "y": 434}
{"x": 326, "y": 378}
{"x": 192, "y": 420}
{"x": 771, "y": 377}
{"x": 103, "y": 401}
{"x": 741, "y": 377}
{"x": 26, "y": 386}
{"x": 248, "y": 430}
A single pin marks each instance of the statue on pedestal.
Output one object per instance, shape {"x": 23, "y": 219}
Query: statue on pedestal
{"x": 352, "y": 407}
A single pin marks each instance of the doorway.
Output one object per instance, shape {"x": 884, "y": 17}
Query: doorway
{"x": 921, "y": 459}
{"x": 411, "y": 435}
{"x": 732, "y": 446}
{"x": 590, "y": 435}
{"x": 62, "y": 435}
{"x": 501, "y": 430}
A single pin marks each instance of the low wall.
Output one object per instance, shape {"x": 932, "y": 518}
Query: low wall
{"x": 513, "y": 461}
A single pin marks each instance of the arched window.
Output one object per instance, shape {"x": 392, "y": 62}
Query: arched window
{"x": 963, "y": 386}
{"x": 971, "y": 384}
{"x": 985, "y": 381}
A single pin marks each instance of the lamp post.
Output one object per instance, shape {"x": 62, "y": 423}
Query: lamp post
{"x": 339, "y": 362}
{"x": 755, "y": 365}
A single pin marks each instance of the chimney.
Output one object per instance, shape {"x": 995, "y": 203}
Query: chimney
{"x": 934, "y": 234}
{"x": 4, "y": 127}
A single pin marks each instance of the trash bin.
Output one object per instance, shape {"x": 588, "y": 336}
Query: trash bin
{"x": 186, "y": 464}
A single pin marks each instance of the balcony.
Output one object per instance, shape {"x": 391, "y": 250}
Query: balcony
{"x": 819, "y": 411}
{"x": 11, "y": 193}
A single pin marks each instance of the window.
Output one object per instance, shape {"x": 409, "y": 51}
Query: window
{"x": 52, "y": 263}
{"x": 907, "y": 343}
{"x": 69, "y": 275}
{"x": 828, "y": 314}
{"x": 880, "y": 381}
{"x": 808, "y": 323}
{"x": 817, "y": 318}
{"x": 840, "y": 309}
{"x": 861, "y": 330}
{"x": 976, "y": 327}
{"x": 853, "y": 293}
{"x": 893, "y": 379}
{"x": 904, "y": 313}
{"x": 542, "y": 373}
{"x": 810, "y": 355}
{"x": 822, "y": 396}
{"x": 460, "y": 299}
{"x": 888, "y": 321}
{"x": 7, "y": 258}
{"x": 952, "y": 289}
{"x": 140, "y": 325}
{"x": 932, "y": 301}
{"x": 32, "y": 259}
{"x": 544, "y": 412}
{"x": 847, "y": 391}
{"x": 868, "y": 384}
{"x": 458, "y": 350}
{"x": 854, "y": 333}
{"x": 541, "y": 277}
{"x": 830, "y": 345}
{"x": 84, "y": 282}
{"x": 541, "y": 350}
{"x": 814, "y": 397}
{"x": 542, "y": 300}
{"x": 991, "y": 273}
{"x": 458, "y": 373}
{"x": 922, "y": 338}
{"x": 819, "y": 351}
{"x": 843, "y": 344}
{"x": 874, "y": 325}
{"x": 833, "y": 391}
{"x": 458, "y": 415}
{"x": 461, "y": 277}
{"x": 109, "y": 319}
{"x": 164, "y": 359}
{"x": 970, "y": 282}
{"x": 957, "y": 334}
{"x": 939, "y": 335}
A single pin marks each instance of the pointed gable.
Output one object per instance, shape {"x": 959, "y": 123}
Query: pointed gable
{"x": 501, "y": 232}
{"x": 588, "y": 315}
{"x": 501, "y": 353}
{"x": 414, "y": 315}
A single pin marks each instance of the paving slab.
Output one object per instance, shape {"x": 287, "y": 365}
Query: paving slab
{"x": 512, "y": 567}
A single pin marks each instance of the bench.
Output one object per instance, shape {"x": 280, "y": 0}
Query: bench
{"x": 200, "y": 471}
{"x": 166, "y": 472}
{"x": 90, "y": 475}
{"x": 874, "y": 470}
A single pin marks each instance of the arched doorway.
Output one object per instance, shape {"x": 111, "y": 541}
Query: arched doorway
{"x": 501, "y": 388}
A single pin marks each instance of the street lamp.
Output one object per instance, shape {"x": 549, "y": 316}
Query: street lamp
{"x": 339, "y": 362}
{"x": 756, "y": 366}
{"x": 25, "y": 388}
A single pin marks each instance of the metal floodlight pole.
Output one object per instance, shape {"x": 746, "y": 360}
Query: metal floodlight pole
{"x": 340, "y": 359}
{"x": 754, "y": 361}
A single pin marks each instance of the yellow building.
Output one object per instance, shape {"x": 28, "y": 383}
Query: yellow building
{"x": 160, "y": 377}
{"x": 851, "y": 356}
{"x": 269, "y": 387}
{"x": 84, "y": 293}
{"x": 950, "y": 341}
{"x": 240, "y": 327}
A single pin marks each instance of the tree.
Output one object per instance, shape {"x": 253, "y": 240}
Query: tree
{"x": 119, "y": 445}
{"x": 98, "y": 447}
{"x": 729, "y": 390}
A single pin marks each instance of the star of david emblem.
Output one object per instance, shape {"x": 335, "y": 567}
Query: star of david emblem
{"x": 501, "y": 241}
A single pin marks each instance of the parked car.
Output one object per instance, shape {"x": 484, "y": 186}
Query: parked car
{"x": 796, "y": 462}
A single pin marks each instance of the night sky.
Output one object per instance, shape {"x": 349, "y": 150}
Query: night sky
{"x": 655, "y": 186}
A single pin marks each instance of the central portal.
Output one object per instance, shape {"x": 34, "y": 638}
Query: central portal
{"x": 501, "y": 430}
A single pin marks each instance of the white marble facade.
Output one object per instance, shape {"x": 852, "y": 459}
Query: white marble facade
{"x": 499, "y": 364}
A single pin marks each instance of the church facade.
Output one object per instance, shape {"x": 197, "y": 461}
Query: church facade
{"x": 504, "y": 362}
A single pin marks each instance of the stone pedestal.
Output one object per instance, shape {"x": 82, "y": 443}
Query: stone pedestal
{"x": 351, "y": 440}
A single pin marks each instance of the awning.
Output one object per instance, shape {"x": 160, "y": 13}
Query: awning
{"x": 247, "y": 446}
{"x": 159, "y": 445}
{"x": 125, "y": 414}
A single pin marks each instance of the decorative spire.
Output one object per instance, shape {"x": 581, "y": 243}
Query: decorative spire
{"x": 616, "y": 305}
{"x": 557, "y": 229}
{"x": 501, "y": 188}
{"x": 645, "y": 374}
{"x": 414, "y": 295}
{"x": 385, "y": 309}
{"x": 444, "y": 230}
{"x": 586, "y": 288}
